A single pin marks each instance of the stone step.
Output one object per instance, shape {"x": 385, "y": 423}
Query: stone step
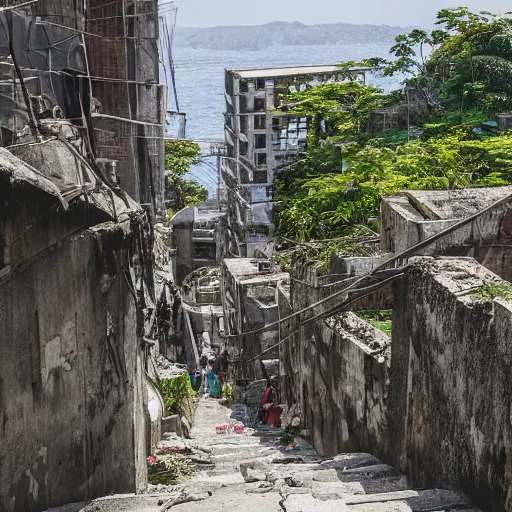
{"x": 367, "y": 473}
{"x": 417, "y": 501}
{"x": 433, "y": 500}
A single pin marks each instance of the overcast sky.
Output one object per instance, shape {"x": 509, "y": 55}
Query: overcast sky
{"x": 209, "y": 13}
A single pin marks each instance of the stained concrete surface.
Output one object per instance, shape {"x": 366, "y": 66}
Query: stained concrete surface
{"x": 294, "y": 481}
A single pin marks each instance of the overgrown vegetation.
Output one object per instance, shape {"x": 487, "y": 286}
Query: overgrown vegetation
{"x": 228, "y": 392}
{"x": 287, "y": 436}
{"x": 179, "y": 397}
{"x": 463, "y": 72}
{"x": 180, "y": 156}
{"x": 379, "y": 318}
{"x": 169, "y": 470}
{"x": 491, "y": 291}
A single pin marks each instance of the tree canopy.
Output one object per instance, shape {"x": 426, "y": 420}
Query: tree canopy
{"x": 336, "y": 186}
{"x": 180, "y": 156}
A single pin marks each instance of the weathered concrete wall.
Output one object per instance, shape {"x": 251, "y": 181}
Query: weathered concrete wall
{"x": 451, "y": 368}
{"x": 488, "y": 238}
{"x": 71, "y": 385}
{"x": 334, "y": 374}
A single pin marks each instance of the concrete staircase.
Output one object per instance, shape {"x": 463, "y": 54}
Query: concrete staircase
{"x": 254, "y": 473}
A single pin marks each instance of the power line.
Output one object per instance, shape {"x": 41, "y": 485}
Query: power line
{"x": 375, "y": 271}
{"x": 330, "y": 312}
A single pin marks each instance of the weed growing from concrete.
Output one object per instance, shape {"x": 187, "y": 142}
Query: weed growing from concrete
{"x": 491, "y": 291}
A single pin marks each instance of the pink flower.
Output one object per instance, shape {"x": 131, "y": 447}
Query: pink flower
{"x": 151, "y": 460}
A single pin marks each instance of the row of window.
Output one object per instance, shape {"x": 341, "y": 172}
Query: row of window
{"x": 260, "y": 105}
{"x": 278, "y": 123}
{"x": 259, "y": 84}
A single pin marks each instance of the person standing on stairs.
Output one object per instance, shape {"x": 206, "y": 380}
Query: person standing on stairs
{"x": 271, "y": 408}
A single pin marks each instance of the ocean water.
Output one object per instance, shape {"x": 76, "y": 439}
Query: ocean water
{"x": 200, "y": 83}
{"x": 200, "y": 76}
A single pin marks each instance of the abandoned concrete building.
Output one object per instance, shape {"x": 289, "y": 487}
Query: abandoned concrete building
{"x": 196, "y": 239}
{"x": 81, "y": 283}
{"x": 259, "y": 139}
{"x": 202, "y": 316}
{"x": 249, "y": 291}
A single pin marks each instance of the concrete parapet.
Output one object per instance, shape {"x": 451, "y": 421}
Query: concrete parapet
{"x": 449, "y": 417}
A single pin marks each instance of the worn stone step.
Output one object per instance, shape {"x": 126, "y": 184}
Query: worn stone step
{"x": 307, "y": 503}
{"x": 417, "y": 501}
{"x": 353, "y": 461}
{"x": 367, "y": 473}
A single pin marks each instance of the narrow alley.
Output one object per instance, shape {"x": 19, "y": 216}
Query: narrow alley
{"x": 254, "y": 472}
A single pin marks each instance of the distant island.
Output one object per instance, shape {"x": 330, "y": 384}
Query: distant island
{"x": 282, "y": 34}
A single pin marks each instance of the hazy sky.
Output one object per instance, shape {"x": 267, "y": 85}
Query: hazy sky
{"x": 208, "y": 13}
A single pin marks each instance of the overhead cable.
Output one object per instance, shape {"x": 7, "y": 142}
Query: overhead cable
{"x": 397, "y": 257}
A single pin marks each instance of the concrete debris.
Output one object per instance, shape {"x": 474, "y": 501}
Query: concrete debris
{"x": 185, "y": 427}
{"x": 185, "y": 497}
{"x": 172, "y": 424}
{"x": 254, "y": 471}
{"x": 249, "y": 473}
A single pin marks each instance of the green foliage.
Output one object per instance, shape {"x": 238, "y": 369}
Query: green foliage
{"x": 325, "y": 205}
{"x": 179, "y": 397}
{"x": 391, "y": 138}
{"x": 466, "y": 63}
{"x": 180, "y": 155}
{"x": 379, "y": 318}
{"x": 169, "y": 470}
{"x": 287, "y": 437}
{"x": 356, "y": 241}
{"x": 344, "y": 107}
{"x": 491, "y": 291}
{"x": 227, "y": 392}
{"x": 453, "y": 122}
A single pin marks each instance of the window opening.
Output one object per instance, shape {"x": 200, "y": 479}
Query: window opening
{"x": 259, "y": 104}
{"x": 260, "y": 141}
{"x": 243, "y": 124}
{"x": 204, "y": 251}
{"x": 261, "y": 159}
{"x": 260, "y": 122}
{"x": 260, "y": 84}
{"x": 260, "y": 176}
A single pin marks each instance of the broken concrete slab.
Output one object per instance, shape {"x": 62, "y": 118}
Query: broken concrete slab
{"x": 307, "y": 503}
{"x": 418, "y": 501}
{"x": 367, "y": 472}
{"x": 254, "y": 471}
{"x": 172, "y": 424}
{"x": 390, "y": 506}
{"x": 336, "y": 490}
{"x": 353, "y": 460}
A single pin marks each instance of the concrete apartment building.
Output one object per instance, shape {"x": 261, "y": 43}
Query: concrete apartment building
{"x": 260, "y": 139}
{"x": 195, "y": 238}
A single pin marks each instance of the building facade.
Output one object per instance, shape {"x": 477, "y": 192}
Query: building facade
{"x": 248, "y": 288}
{"x": 195, "y": 239}
{"x": 259, "y": 139}
{"x": 82, "y": 285}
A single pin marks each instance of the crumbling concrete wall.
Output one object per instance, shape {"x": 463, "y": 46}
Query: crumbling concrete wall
{"x": 487, "y": 238}
{"x": 334, "y": 374}
{"x": 449, "y": 419}
{"x": 72, "y": 422}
